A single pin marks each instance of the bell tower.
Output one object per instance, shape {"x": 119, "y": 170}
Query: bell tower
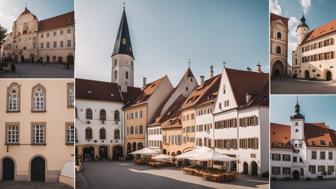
{"x": 297, "y": 127}
{"x": 302, "y": 30}
{"x": 122, "y": 57}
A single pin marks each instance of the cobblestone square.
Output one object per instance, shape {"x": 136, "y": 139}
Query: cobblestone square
{"x": 34, "y": 70}
{"x": 127, "y": 175}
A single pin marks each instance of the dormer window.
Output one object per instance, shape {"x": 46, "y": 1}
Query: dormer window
{"x": 322, "y": 142}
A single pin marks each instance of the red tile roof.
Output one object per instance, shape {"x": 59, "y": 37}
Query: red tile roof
{"x": 201, "y": 91}
{"x": 62, "y": 20}
{"x": 104, "y": 91}
{"x": 146, "y": 93}
{"x": 321, "y": 31}
{"x": 254, "y": 83}
{"x": 316, "y": 135}
{"x": 280, "y": 136}
{"x": 319, "y": 135}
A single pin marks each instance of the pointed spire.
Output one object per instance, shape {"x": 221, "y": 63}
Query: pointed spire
{"x": 123, "y": 41}
{"x": 297, "y": 106}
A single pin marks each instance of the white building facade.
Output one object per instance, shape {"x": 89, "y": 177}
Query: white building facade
{"x": 302, "y": 150}
{"x": 314, "y": 56}
{"x": 241, "y": 120}
{"x": 99, "y": 129}
{"x": 46, "y": 41}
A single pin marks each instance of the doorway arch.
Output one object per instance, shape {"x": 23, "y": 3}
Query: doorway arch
{"x": 307, "y": 76}
{"x": 296, "y": 175}
{"x": 88, "y": 153}
{"x": 37, "y": 169}
{"x": 278, "y": 69}
{"x": 254, "y": 168}
{"x": 103, "y": 153}
{"x": 8, "y": 169}
{"x": 245, "y": 168}
{"x": 328, "y": 75}
{"x": 117, "y": 152}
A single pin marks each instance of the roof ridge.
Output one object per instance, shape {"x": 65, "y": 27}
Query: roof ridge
{"x": 57, "y": 16}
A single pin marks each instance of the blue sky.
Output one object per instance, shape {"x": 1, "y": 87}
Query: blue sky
{"x": 317, "y": 13}
{"x": 11, "y": 9}
{"x": 165, "y": 34}
{"x": 315, "y": 108}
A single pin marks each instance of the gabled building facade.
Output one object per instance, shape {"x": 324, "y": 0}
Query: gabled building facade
{"x": 314, "y": 56}
{"x": 302, "y": 150}
{"x": 46, "y": 41}
{"x": 241, "y": 119}
{"x": 140, "y": 112}
{"x": 180, "y": 92}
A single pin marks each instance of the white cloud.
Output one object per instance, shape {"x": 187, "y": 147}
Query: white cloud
{"x": 306, "y": 4}
{"x": 292, "y": 24}
{"x": 274, "y": 7}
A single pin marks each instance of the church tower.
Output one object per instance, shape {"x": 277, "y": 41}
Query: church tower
{"x": 297, "y": 127}
{"x": 302, "y": 30}
{"x": 122, "y": 57}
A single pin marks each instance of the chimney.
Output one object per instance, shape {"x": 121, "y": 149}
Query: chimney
{"x": 211, "y": 71}
{"x": 258, "y": 68}
{"x": 144, "y": 82}
{"x": 202, "y": 79}
{"x": 248, "y": 97}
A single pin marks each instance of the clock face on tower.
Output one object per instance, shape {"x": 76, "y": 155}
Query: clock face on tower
{"x": 123, "y": 41}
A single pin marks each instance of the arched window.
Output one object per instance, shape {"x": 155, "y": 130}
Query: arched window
{"x": 88, "y": 133}
{"x": 126, "y": 74}
{"x": 102, "y": 134}
{"x": 39, "y": 98}
{"x": 102, "y": 115}
{"x": 116, "y": 115}
{"x": 71, "y": 95}
{"x": 278, "y": 50}
{"x": 88, "y": 113}
{"x": 13, "y": 97}
{"x": 117, "y": 134}
{"x": 279, "y": 35}
{"x": 115, "y": 74}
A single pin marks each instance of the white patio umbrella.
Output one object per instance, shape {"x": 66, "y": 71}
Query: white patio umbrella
{"x": 162, "y": 157}
{"x": 193, "y": 153}
{"x": 146, "y": 151}
{"x": 213, "y": 156}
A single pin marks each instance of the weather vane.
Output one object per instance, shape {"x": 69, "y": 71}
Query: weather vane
{"x": 189, "y": 62}
{"x": 224, "y": 63}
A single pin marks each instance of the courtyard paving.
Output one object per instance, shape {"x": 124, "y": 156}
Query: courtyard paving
{"x": 34, "y": 185}
{"x": 127, "y": 175}
{"x": 295, "y": 86}
{"x": 303, "y": 184}
{"x": 30, "y": 70}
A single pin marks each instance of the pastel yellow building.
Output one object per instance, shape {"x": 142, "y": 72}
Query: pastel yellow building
{"x": 37, "y": 130}
{"x": 142, "y": 110}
